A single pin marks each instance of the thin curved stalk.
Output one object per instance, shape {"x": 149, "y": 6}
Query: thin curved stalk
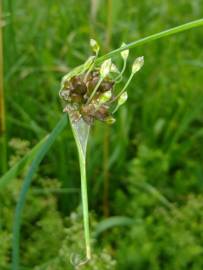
{"x": 153, "y": 37}
{"x": 142, "y": 41}
{"x": 26, "y": 184}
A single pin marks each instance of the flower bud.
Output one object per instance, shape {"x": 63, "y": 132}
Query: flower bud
{"x": 137, "y": 65}
{"x": 105, "y": 68}
{"x": 88, "y": 62}
{"x": 114, "y": 68}
{"x": 110, "y": 120}
{"x": 125, "y": 53}
{"x": 122, "y": 99}
{"x": 65, "y": 94}
{"x": 106, "y": 96}
{"x": 94, "y": 45}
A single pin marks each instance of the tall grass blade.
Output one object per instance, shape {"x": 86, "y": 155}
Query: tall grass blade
{"x": 20, "y": 165}
{"x": 94, "y": 9}
{"x": 3, "y": 147}
{"x": 26, "y": 184}
{"x": 112, "y": 222}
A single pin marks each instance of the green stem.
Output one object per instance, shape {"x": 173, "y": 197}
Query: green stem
{"x": 95, "y": 90}
{"x": 91, "y": 67}
{"x": 81, "y": 142}
{"x": 169, "y": 32}
{"x": 85, "y": 203}
{"x": 122, "y": 91}
{"x": 150, "y": 38}
{"x": 119, "y": 77}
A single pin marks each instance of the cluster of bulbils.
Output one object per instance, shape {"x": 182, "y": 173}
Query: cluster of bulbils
{"x": 89, "y": 93}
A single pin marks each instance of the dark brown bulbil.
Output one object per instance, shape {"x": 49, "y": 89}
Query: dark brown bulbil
{"x": 76, "y": 92}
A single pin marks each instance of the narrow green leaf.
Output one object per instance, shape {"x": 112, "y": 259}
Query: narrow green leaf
{"x": 26, "y": 184}
{"x": 112, "y": 222}
{"x": 154, "y": 192}
{"x": 20, "y": 165}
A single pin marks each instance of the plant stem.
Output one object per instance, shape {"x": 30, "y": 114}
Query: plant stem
{"x": 124, "y": 88}
{"x": 119, "y": 77}
{"x": 3, "y": 147}
{"x": 81, "y": 142}
{"x": 162, "y": 34}
{"x": 95, "y": 90}
{"x": 82, "y": 161}
{"x": 150, "y": 38}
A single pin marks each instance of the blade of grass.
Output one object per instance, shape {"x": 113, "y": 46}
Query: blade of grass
{"x": 26, "y": 118}
{"x": 112, "y": 222}
{"x": 26, "y": 184}
{"x": 3, "y": 147}
{"x": 155, "y": 193}
{"x": 48, "y": 191}
{"x": 20, "y": 165}
{"x": 94, "y": 9}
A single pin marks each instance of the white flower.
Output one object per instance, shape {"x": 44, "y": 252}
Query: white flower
{"x": 122, "y": 99}
{"x": 124, "y": 53}
{"x": 114, "y": 68}
{"x": 106, "y": 96}
{"x": 94, "y": 45}
{"x": 110, "y": 120}
{"x": 105, "y": 68}
{"x": 137, "y": 65}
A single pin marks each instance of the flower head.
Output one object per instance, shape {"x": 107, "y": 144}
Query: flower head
{"x": 91, "y": 93}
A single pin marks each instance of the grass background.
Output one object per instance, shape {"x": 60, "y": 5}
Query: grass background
{"x": 148, "y": 166}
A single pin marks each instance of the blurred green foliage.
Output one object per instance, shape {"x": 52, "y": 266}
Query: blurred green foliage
{"x": 151, "y": 158}
{"x": 49, "y": 240}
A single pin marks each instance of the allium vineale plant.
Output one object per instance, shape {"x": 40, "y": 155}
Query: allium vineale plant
{"x": 90, "y": 95}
